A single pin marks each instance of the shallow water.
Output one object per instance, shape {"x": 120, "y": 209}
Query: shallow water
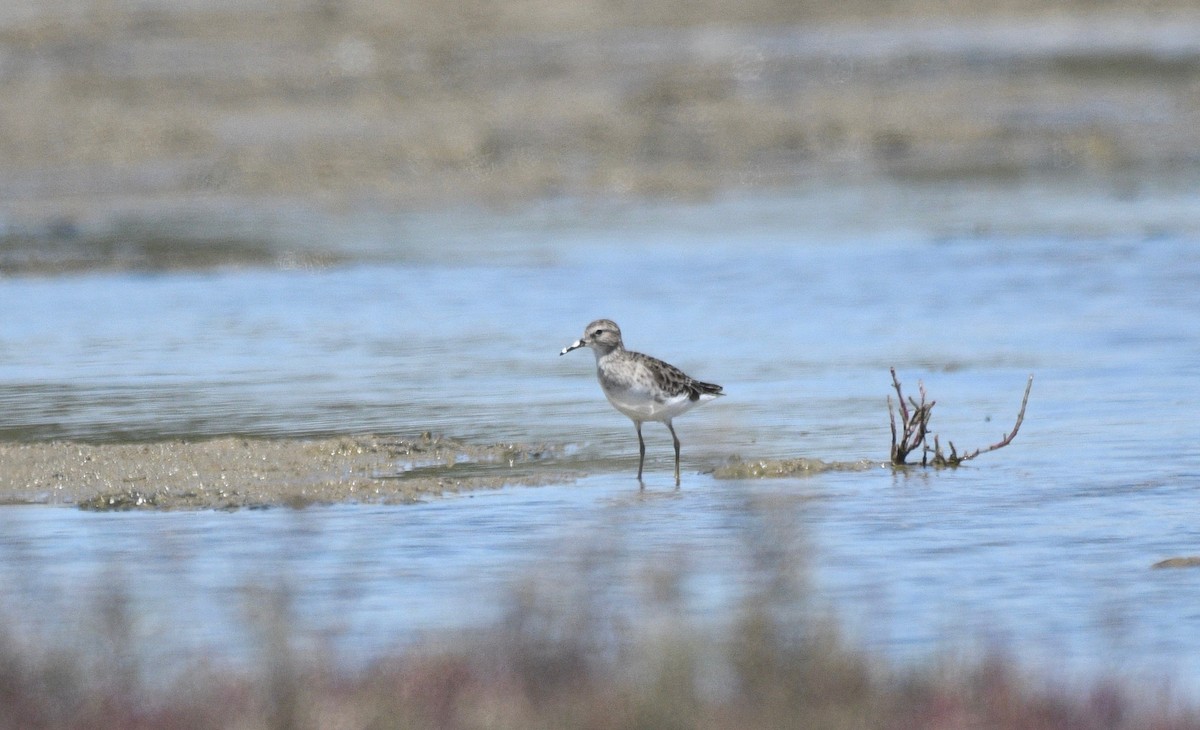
{"x": 797, "y": 305}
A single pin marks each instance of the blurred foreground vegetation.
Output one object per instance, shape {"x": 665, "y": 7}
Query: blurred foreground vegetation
{"x": 573, "y": 650}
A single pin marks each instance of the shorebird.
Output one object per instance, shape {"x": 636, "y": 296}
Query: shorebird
{"x": 644, "y": 388}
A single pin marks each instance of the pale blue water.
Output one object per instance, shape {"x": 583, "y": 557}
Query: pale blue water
{"x": 797, "y": 305}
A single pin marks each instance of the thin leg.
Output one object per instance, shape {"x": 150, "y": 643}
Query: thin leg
{"x": 641, "y": 449}
{"x": 676, "y": 439}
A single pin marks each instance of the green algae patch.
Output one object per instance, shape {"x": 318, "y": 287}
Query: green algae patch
{"x": 766, "y": 468}
{"x": 120, "y": 501}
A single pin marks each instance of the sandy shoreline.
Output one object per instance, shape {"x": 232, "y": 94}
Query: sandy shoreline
{"x": 230, "y": 473}
{"x": 234, "y": 473}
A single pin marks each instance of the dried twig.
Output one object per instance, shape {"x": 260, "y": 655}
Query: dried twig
{"x": 914, "y": 427}
{"x": 954, "y": 459}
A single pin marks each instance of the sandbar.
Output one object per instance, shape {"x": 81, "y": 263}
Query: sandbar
{"x": 236, "y": 473}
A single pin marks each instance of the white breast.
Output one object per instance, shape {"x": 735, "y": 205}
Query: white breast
{"x": 641, "y": 405}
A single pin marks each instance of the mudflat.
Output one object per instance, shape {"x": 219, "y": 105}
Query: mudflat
{"x": 150, "y": 109}
{"x": 233, "y": 473}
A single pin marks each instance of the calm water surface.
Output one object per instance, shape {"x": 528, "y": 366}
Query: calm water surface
{"x": 796, "y": 305}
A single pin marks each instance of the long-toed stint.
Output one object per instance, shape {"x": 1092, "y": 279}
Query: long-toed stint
{"x": 644, "y": 388}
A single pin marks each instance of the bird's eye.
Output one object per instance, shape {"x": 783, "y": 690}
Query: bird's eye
{"x": 597, "y": 333}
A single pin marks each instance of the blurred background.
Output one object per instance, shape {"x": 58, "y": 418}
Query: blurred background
{"x": 156, "y": 109}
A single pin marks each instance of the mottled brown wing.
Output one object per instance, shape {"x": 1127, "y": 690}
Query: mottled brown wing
{"x": 674, "y": 381}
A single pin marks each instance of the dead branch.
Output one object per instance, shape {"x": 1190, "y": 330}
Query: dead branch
{"x": 915, "y": 427}
{"x": 954, "y": 459}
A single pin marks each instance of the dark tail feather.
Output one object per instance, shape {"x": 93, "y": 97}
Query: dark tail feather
{"x": 697, "y": 388}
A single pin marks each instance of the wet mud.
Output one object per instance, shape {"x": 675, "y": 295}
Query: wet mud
{"x": 764, "y": 468}
{"x": 236, "y": 473}
{"x": 122, "y": 116}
